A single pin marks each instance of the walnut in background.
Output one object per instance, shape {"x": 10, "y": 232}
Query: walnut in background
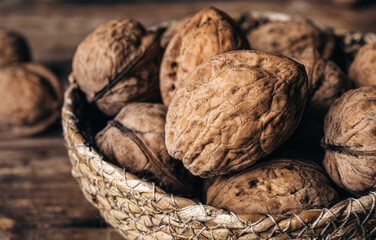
{"x": 31, "y": 98}
{"x": 205, "y": 35}
{"x": 291, "y": 37}
{"x": 13, "y": 48}
{"x": 363, "y": 68}
{"x": 117, "y": 64}
{"x": 135, "y": 140}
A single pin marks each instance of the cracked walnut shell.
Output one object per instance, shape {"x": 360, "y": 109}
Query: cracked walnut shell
{"x": 205, "y": 35}
{"x": 363, "y": 69}
{"x": 350, "y": 140}
{"x": 291, "y": 38}
{"x": 31, "y": 98}
{"x": 234, "y": 109}
{"x": 135, "y": 139}
{"x": 118, "y": 63}
{"x": 13, "y": 48}
{"x": 279, "y": 186}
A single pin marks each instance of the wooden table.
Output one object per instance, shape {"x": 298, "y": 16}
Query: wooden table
{"x": 38, "y": 197}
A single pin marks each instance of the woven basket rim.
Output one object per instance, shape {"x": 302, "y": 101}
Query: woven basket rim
{"x": 99, "y": 179}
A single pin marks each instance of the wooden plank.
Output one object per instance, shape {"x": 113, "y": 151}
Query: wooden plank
{"x": 39, "y": 197}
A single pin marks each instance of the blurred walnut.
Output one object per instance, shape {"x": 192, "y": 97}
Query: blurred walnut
{"x": 280, "y": 186}
{"x": 135, "y": 139}
{"x": 13, "y": 48}
{"x": 363, "y": 69}
{"x": 327, "y": 83}
{"x": 291, "y": 38}
{"x": 350, "y": 140}
{"x": 234, "y": 109}
{"x": 171, "y": 30}
{"x": 117, "y": 64}
{"x": 205, "y": 35}
{"x": 30, "y": 97}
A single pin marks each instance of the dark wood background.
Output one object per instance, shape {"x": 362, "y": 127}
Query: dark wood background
{"x": 38, "y": 197}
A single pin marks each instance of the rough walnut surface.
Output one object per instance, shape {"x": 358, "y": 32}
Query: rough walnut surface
{"x": 205, "y": 35}
{"x": 280, "y": 186}
{"x": 106, "y": 52}
{"x": 326, "y": 83}
{"x": 30, "y": 98}
{"x": 291, "y": 38}
{"x": 363, "y": 69}
{"x": 13, "y": 48}
{"x": 171, "y": 30}
{"x": 350, "y": 140}
{"x": 140, "y": 145}
{"x": 234, "y": 109}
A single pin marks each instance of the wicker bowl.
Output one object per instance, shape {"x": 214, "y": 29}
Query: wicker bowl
{"x": 141, "y": 210}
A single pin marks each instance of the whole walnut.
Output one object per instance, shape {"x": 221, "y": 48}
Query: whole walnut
{"x": 117, "y": 64}
{"x": 350, "y": 140}
{"x": 234, "y": 109}
{"x": 135, "y": 139}
{"x": 13, "y": 48}
{"x": 279, "y": 186}
{"x": 291, "y": 38}
{"x": 363, "y": 69}
{"x": 326, "y": 83}
{"x": 30, "y": 96}
{"x": 205, "y": 35}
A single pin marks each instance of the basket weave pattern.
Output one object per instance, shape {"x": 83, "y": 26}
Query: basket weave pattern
{"x": 140, "y": 210}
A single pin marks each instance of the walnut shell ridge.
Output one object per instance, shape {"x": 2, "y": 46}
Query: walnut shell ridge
{"x": 118, "y": 63}
{"x": 31, "y": 98}
{"x": 279, "y": 186}
{"x": 291, "y": 37}
{"x": 350, "y": 140}
{"x": 205, "y": 35}
{"x": 135, "y": 139}
{"x": 234, "y": 109}
{"x": 13, "y": 48}
{"x": 363, "y": 68}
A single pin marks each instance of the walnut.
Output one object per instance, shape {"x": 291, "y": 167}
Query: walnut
{"x": 30, "y": 97}
{"x": 291, "y": 38}
{"x": 327, "y": 83}
{"x": 279, "y": 186}
{"x": 13, "y": 48}
{"x": 171, "y": 30}
{"x": 117, "y": 64}
{"x": 350, "y": 140}
{"x": 135, "y": 139}
{"x": 205, "y": 35}
{"x": 363, "y": 69}
{"x": 234, "y": 109}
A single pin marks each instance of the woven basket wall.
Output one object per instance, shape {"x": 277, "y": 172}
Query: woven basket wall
{"x": 140, "y": 210}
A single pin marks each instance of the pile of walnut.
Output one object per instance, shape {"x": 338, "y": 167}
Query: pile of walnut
{"x": 30, "y": 95}
{"x": 231, "y": 101}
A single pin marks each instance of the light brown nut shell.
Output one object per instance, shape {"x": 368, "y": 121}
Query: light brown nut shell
{"x": 205, "y": 35}
{"x": 350, "y": 140}
{"x": 363, "y": 69}
{"x": 171, "y": 30}
{"x": 110, "y": 51}
{"x": 291, "y": 38}
{"x": 135, "y": 139}
{"x": 31, "y": 98}
{"x": 13, "y": 48}
{"x": 234, "y": 109}
{"x": 280, "y": 186}
{"x": 327, "y": 83}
